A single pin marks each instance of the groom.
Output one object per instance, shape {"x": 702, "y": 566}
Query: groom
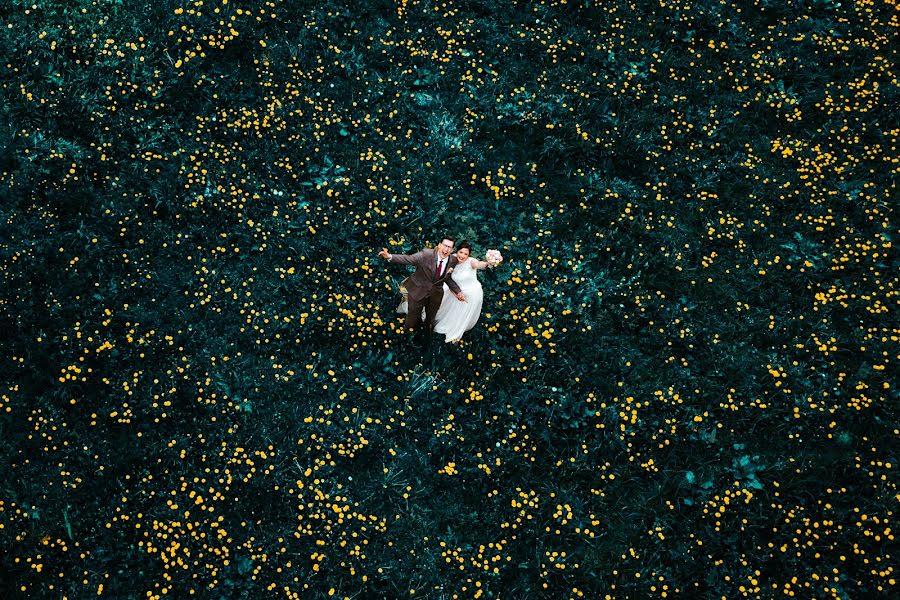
{"x": 426, "y": 285}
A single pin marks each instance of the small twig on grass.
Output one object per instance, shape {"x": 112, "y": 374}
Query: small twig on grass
{"x": 66, "y": 521}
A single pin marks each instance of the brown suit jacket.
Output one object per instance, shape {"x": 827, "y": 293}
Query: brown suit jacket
{"x": 423, "y": 282}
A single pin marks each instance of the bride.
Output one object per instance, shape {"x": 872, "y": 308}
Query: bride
{"x": 456, "y": 317}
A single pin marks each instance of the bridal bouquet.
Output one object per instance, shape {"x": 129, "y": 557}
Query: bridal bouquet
{"x": 493, "y": 257}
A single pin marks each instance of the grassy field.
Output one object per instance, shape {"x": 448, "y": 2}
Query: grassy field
{"x": 684, "y": 381}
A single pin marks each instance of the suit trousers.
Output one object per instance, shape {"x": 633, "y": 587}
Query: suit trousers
{"x": 431, "y": 304}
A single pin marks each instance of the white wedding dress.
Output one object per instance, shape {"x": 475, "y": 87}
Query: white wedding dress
{"x": 454, "y": 317}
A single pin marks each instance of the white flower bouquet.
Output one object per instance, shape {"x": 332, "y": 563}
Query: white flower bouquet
{"x": 493, "y": 257}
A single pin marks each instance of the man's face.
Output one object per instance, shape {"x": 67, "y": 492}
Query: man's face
{"x": 445, "y": 248}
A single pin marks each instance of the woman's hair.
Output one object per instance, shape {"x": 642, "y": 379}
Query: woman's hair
{"x": 464, "y": 245}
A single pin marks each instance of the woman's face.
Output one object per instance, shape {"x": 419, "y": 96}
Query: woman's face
{"x": 462, "y": 254}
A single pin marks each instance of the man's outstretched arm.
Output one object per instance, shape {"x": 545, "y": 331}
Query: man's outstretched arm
{"x": 401, "y": 259}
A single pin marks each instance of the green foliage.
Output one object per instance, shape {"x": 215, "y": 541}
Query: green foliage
{"x": 683, "y": 382}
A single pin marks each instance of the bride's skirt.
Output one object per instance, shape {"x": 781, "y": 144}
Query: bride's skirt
{"x": 455, "y": 317}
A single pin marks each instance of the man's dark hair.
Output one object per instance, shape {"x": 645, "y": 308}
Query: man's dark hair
{"x": 449, "y": 237}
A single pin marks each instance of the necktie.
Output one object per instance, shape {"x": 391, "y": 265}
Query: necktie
{"x": 440, "y": 268}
